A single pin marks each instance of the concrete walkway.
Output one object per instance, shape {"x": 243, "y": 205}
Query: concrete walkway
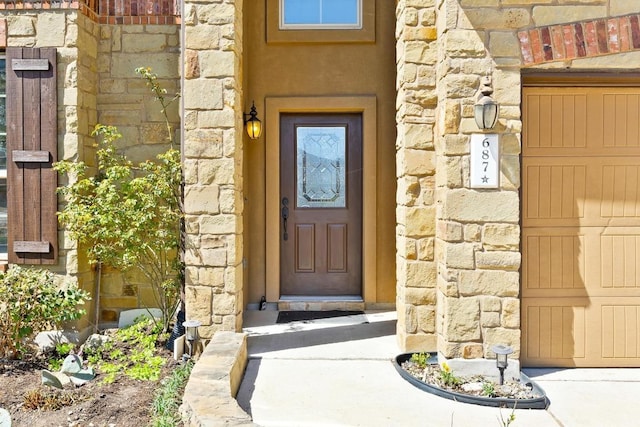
{"x": 338, "y": 372}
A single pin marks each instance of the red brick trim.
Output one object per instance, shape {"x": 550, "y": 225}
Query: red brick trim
{"x": 580, "y": 39}
{"x": 39, "y": 4}
{"x": 109, "y": 11}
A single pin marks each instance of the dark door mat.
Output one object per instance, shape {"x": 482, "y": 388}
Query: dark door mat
{"x": 294, "y": 316}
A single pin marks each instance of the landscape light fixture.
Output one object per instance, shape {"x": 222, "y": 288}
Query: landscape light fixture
{"x": 486, "y": 108}
{"x": 191, "y": 328}
{"x": 502, "y": 352}
{"x": 252, "y": 123}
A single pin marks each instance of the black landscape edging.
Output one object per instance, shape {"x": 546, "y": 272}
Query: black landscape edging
{"x": 498, "y": 402}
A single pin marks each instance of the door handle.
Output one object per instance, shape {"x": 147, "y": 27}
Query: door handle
{"x": 285, "y": 216}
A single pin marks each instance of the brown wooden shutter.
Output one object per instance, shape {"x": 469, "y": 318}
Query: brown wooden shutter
{"x": 31, "y": 150}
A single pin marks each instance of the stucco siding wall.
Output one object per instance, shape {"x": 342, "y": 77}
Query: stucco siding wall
{"x": 320, "y": 64}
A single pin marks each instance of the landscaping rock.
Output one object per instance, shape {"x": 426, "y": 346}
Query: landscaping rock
{"x": 5, "y": 418}
{"x": 95, "y": 341}
{"x": 128, "y": 317}
{"x": 71, "y": 372}
{"x": 47, "y": 340}
{"x": 472, "y": 387}
{"x": 82, "y": 377}
{"x": 49, "y": 379}
{"x": 63, "y": 378}
{"x": 72, "y": 364}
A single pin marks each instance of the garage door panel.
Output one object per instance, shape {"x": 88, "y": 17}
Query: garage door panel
{"x": 620, "y": 331}
{"x": 620, "y": 119}
{"x": 554, "y": 331}
{"x": 620, "y": 191}
{"x": 555, "y": 190}
{"x": 619, "y": 255}
{"x": 574, "y": 261}
{"x": 587, "y": 191}
{"x": 555, "y": 120}
{"x": 554, "y": 259}
{"x": 581, "y": 332}
{"x": 581, "y": 227}
{"x": 563, "y": 121}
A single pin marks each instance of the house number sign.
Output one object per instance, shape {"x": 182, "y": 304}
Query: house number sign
{"x": 485, "y": 161}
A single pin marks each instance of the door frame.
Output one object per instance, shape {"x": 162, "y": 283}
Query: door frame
{"x": 274, "y": 106}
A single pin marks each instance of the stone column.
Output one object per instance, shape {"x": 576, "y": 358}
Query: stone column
{"x": 212, "y": 119}
{"x": 415, "y": 164}
{"x": 477, "y": 232}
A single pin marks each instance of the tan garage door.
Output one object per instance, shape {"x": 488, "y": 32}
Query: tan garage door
{"x": 581, "y": 226}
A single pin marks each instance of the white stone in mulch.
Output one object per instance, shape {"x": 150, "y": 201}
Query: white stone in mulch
{"x": 5, "y": 418}
{"x": 47, "y": 340}
{"x": 95, "y": 341}
{"x": 54, "y": 379}
{"x": 472, "y": 387}
{"x": 178, "y": 347}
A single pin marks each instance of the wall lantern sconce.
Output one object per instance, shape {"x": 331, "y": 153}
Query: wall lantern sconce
{"x": 191, "y": 327}
{"x": 252, "y": 123}
{"x": 502, "y": 352}
{"x": 486, "y": 108}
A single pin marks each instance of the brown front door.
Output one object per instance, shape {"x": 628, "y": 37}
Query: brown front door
{"x": 321, "y": 204}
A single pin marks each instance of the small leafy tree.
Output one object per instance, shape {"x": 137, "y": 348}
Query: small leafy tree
{"x": 31, "y": 302}
{"x": 129, "y": 215}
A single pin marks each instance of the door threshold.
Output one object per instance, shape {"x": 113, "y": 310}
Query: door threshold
{"x": 320, "y": 303}
{"x": 321, "y": 298}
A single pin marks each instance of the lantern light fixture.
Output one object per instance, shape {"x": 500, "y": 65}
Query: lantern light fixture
{"x": 486, "y": 108}
{"x": 251, "y": 122}
{"x": 502, "y": 352}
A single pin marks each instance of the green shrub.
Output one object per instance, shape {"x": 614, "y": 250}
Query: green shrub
{"x": 31, "y": 302}
{"x": 420, "y": 359}
{"x": 488, "y": 389}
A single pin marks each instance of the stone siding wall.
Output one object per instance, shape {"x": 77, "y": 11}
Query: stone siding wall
{"x": 477, "y": 245}
{"x": 213, "y": 150}
{"x": 125, "y": 101}
{"x": 97, "y": 84}
{"x": 79, "y": 119}
{"x": 74, "y": 37}
{"x": 415, "y": 168}
{"x": 477, "y": 230}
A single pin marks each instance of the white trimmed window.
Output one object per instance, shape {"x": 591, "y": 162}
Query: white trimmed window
{"x": 320, "y": 14}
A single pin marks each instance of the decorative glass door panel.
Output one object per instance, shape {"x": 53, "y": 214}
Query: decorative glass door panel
{"x": 320, "y": 165}
{"x": 321, "y": 204}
